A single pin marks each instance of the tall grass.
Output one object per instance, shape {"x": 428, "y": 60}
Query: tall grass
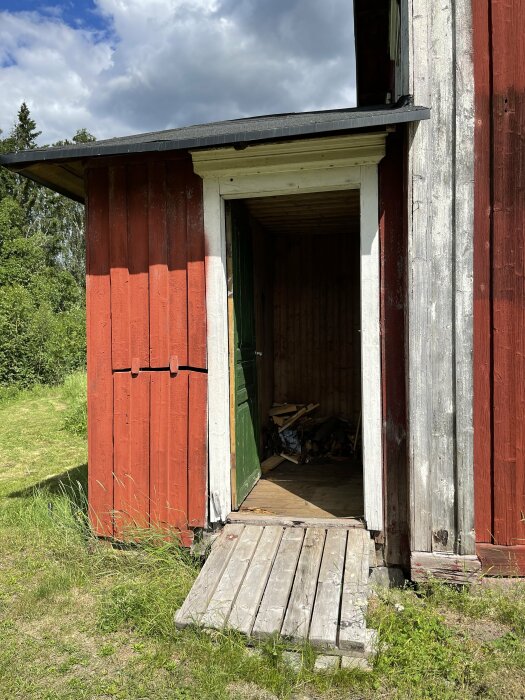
{"x": 75, "y": 394}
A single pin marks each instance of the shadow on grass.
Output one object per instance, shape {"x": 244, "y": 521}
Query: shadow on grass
{"x": 72, "y": 484}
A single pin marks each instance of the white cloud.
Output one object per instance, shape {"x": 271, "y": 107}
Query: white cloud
{"x": 166, "y": 63}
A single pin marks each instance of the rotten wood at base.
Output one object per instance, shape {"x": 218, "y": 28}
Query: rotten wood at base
{"x": 452, "y": 568}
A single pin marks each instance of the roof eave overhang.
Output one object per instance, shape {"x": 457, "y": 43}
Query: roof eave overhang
{"x": 62, "y": 169}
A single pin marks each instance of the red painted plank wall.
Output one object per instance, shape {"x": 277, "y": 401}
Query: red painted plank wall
{"x": 499, "y": 360}
{"x": 146, "y": 324}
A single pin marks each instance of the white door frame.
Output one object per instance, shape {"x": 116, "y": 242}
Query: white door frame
{"x": 306, "y": 165}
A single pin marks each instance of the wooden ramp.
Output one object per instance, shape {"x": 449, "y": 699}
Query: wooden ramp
{"x": 304, "y": 583}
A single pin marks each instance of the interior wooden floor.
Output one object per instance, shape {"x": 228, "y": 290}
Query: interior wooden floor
{"x": 332, "y": 490}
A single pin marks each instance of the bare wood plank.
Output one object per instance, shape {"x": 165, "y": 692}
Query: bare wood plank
{"x": 464, "y": 272}
{"x": 355, "y": 591}
{"x": 299, "y": 612}
{"x": 221, "y": 602}
{"x": 442, "y": 565}
{"x": 197, "y": 600}
{"x": 442, "y": 322}
{"x": 271, "y": 463}
{"x": 275, "y": 599}
{"x": 285, "y": 408}
{"x": 303, "y": 412}
{"x": 325, "y": 617}
{"x": 419, "y": 281}
{"x": 295, "y": 459}
{"x": 253, "y": 519}
{"x": 251, "y": 591}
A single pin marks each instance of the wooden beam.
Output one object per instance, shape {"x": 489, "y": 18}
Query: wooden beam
{"x": 452, "y": 568}
{"x": 498, "y": 560}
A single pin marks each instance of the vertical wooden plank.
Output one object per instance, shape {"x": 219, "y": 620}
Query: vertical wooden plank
{"x": 508, "y": 114}
{"x": 179, "y": 446}
{"x": 160, "y": 429}
{"x": 197, "y": 449}
{"x": 100, "y": 381}
{"x": 158, "y": 266}
{"x": 177, "y": 261}
{"x": 371, "y": 351}
{"x": 119, "y": 273}
{"x": 393, "y": 270}
{"x": 482, "y": 356}
{"x": 463, "y": 275}
{"x": 131, "y": 457}
{"x": 419, "y": 281}
{"x": 218, "y": 375}
{"x": 138, "y": 261}
{"x": 442, "y": 270}
{"x": 196, "y": 271}
{"x": 169, "y": 452}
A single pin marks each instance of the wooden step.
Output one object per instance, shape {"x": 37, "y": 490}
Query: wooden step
{"x": 303, "y": 583}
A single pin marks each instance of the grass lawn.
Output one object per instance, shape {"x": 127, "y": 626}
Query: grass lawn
{"x": 81, "y": 620}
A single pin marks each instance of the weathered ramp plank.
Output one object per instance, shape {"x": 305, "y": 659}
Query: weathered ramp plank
{"x": 304, "y": 583}
{"x": 301, "y": 603}
{"x": 325, "y": 617}
{"x": 275, "y": 599}
{"x": 250, "y": 593}
{"x": 196, "y": 603}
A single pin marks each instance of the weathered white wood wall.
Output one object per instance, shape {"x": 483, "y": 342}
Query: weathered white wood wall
{"x": 437, "y": 54}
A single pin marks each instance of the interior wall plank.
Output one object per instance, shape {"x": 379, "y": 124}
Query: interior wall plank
{"x": 316, "y": 304}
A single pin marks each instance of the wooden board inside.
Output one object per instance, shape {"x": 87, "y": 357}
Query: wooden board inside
{"x": 308, "y": 491}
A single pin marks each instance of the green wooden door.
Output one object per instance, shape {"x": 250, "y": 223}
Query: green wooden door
{"x": 247, "y": 463}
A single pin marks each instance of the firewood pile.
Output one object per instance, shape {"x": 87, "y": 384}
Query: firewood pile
{"x": 297, "y": 433}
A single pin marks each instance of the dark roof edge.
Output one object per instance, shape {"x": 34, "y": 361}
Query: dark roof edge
{"x": 381, "y": 118}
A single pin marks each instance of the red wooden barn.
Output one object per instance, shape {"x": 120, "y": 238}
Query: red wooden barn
{"x": 369, "y": 260}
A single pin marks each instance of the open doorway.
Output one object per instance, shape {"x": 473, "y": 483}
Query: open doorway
{"x": 295, "y": 354}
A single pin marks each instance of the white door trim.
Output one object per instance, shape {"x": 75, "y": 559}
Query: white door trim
{"x": 308, "y": 165}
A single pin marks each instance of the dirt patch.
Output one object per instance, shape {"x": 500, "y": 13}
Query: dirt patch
{"x": 482, "y": 630}
{"x": 249, "y": 691}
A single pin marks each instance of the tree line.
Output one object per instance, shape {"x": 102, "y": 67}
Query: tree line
{"x": 42, "y": 272}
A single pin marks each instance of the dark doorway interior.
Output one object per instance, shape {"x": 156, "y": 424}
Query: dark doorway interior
{"x": 305, "y": 302}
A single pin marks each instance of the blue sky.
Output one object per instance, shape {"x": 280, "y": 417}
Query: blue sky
{"x": 118, "y": 67}
{"x": 82, "y": 13}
